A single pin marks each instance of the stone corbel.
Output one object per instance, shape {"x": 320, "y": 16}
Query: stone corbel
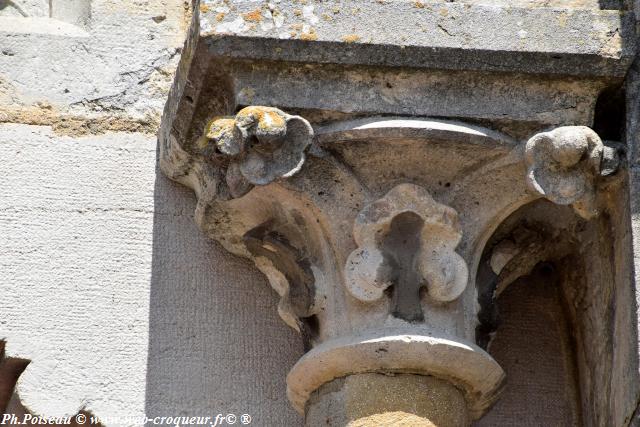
{"x": 371, "y": 231}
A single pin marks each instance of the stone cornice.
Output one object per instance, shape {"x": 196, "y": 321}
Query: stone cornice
{"x": 440, "y": 35}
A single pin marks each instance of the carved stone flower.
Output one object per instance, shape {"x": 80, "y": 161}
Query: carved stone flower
{"x": 562, "y": 166}
{"x": 264, "y": 144}
{"x": 406, "y": 213}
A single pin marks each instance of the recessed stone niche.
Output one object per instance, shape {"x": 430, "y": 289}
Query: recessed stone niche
{"x": 551, "y": 287}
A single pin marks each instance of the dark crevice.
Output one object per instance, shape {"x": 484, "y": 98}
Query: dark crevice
{"x": 488, "y": 319}
{"x": 10, "y": 370}
{"x": 610, "y": 114}
{"x": 264, "y": 241}
{"x": 310, "y": 328}
{"x": 400, "y": 247}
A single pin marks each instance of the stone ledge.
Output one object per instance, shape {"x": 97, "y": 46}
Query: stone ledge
{"x": 586, "y": 42}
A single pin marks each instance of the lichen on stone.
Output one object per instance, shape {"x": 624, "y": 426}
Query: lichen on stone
{"x": 253, "y": 16}
{"x": 350, "y": 38}
{"x": 262, "y": 143}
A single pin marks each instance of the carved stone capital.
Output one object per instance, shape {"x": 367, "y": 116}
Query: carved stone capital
{"x": 371, "y": 230}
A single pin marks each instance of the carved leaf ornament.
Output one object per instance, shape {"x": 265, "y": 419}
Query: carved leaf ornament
{"x": 444, "y": 272}
{"x": 263, "y": 143}
{"x": 562, "y": 166}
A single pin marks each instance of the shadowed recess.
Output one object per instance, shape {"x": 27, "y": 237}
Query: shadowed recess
{"x": 400, "y": 246}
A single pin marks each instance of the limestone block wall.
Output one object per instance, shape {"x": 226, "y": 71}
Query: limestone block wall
{"x": 118, "y": 302}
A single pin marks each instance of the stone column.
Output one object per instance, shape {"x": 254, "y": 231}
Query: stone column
{"x": 372, "y": 400}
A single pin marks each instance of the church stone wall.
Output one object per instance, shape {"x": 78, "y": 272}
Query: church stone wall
{"x": 104, "y": 291}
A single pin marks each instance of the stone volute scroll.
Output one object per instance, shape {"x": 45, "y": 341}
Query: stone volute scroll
{"x": 563, "y": 165}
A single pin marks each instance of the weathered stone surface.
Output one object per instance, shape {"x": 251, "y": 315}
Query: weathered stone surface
{"x": 372, "y": 400}
{"x": 632, "y": 137}
{"x": 450, "y": 35}
{"x": 455, "y": 72}
{"x": 368, "y": 90}
{"x": 463, "y": 364}
{"x": 587, "y": 263}
{"x": 109, "y": 72}
{"x": 563, "y": 165}
{"x": 103, "y": 266}
{"x": 387, "y": 252}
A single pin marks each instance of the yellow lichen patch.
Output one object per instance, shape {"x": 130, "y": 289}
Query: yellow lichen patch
{"x": 350, "y": 38}
{"x": 310, "y": 36}
{"x": 253, "y": 16}
{"x": 326, "y": 17}
{"x": 271, "y": 120}
{"x": 444, "y": 12}
{"x": 218, "y": 127}
{"x": 297, "y": 12}
{"x": 220, "y": 17}
{"x": 296, "y": 27}
{"x": 419, "y": 4}
{"x": 204, "y": 8}
{"x": 247, "y": 113}
{"x": 335, "y": 10}
{"x": 268, "y": 118}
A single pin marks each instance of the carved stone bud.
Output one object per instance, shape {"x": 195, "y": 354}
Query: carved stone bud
{"x": 562, "y": 166}
{"x": 407, "y": 239}
{"x": 264, "y": 144}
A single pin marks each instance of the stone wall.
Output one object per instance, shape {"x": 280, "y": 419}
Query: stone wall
{"x": 110, "y": 291}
